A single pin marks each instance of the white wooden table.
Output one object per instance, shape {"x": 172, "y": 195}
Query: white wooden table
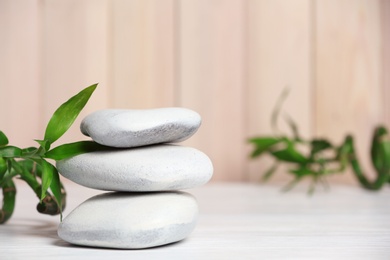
{"x": 237, "y": 221}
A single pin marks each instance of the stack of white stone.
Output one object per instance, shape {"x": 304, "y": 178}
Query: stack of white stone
{"x": 146, "y": 209}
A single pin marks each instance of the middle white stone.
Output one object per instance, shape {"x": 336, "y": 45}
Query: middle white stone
{"x": 150, "y": 168}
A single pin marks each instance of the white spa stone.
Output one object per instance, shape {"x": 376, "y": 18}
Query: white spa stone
{"x": 150, "y": 168}
{"x": 132, "y": 128}
{"x": 131, "y": 220}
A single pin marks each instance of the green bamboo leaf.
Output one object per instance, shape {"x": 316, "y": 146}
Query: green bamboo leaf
{"x": 24, "y": 168}
{"x": 10, "y": 151}
{"x": 3, "y": 166}
{"x": 47, "y": 177}
{"x": 269, "y": 172}
{"x": 343, "y": 152}
{"x": 3, "y": 139}
{"x": 277, "y": 108}
{"x": 72, "y": 149}
{"x": 28, "y": 152}
{"x": 290, "y": 154}
{"x": 303, "y": 172}
{"x": 55, "y": 187}
{"x": 44, "y": 144}
{"x": 9, "y": 165}
{"x": 318, "y": 145}
{"x": 263, "y": 144}
{"x": 30, "y": 166}
{"x": 293, "y": 126}
{"x": 66, "y": 114}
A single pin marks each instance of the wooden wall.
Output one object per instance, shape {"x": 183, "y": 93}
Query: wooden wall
{"x": 227, "y": 59}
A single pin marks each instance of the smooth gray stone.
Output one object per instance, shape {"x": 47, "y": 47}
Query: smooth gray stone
{"x": 132, "y": 128}
{"x": 150, "y": 168}
{"x": 131, "y": 220}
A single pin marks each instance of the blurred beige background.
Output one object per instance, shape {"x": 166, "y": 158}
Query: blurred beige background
{"x": 227, "y": 59}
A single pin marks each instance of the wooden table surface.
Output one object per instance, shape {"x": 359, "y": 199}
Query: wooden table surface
{"x": 237, "y": 221}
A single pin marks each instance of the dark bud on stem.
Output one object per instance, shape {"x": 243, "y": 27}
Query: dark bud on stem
{"x": 49, "y": 205}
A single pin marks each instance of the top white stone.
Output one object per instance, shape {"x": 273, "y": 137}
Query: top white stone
{"x": 133, "y": 128}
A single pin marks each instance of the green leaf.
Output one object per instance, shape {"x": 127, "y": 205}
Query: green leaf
{"x": 3, "y": 139}
{"x": 72, "y": 149}
{"x": 10, "y": 151}
{"x": 44, "y": 144}
{"x": 344, "y": 153}
{"x": 270, "y": 172}
{"x": 293, "y": 126}
{"x": 30, "y": 166}
{"x": 3, "y": 167}
{"x": 29, "y": 152}
{"x": 278, "y": 107}
{"x": 303, "y": 172}
{"x": 9, "y": 165}
{"x": 318, "y": 145}
{"x": 290, "y": 154}
{"x": 55, "y": 187}
{"x": 66, "y": 114}
{"x": 47, "y": 177}
{"x": 263, "y": 144}
{"x": 21, "y": 168}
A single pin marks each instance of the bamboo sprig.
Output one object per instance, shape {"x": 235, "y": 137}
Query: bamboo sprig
{"x": 324, "y": 158}
{"x": 32, "y": 166}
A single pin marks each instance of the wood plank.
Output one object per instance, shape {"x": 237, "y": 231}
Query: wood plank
{"x": 385, "y": 24}
{"x": 211, "y": 79}
{"x": 20, "y": 71}
{"x": 236, "y": 221}
{"x": 279, "y": 53}
{"x": 75, "y": 55}
{"x": 348, "y": 73}
{"x": 143, "y": 53}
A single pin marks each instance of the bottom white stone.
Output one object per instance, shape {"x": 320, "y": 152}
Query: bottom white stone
{"x": 131, "y": 220}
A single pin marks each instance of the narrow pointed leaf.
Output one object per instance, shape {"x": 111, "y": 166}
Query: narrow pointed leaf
{"x": 303, "y": 172}
{"x": 55, "y": 187}
{"x": 47, "y": 177}
{"x": 44, "y": 144}
{"x": 3, "y": 167}
{"x": 290, "y": 154}
{"x": 343, "y": 153}
{"x": 263, "y": 144}
{"x": 269, "y": 172}
{"x": 9, "y": 165}
{"x": 28, "y": 152}
{"x": 3, "y": 139}
{"x": 293, "y": 126}
{"x": 72, "y": 149}
{"x": 278, "y": 107}
{"x": 318, "y": 145}
{"x": 10, "y": 151}
{"x": 66, "y": 114}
